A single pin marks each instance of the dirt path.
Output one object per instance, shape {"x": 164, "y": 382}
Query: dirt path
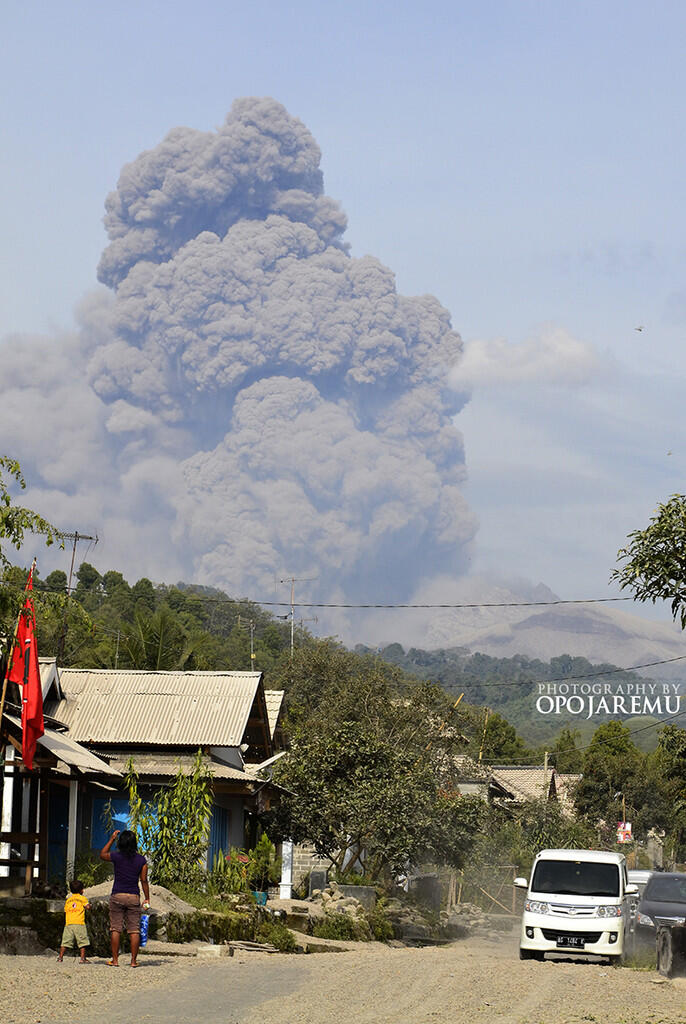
{"x": 470, "y": 981}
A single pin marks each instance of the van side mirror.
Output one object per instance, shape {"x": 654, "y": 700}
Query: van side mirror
{"x": 521, "y": 883}
{"x": 631, "y": 890}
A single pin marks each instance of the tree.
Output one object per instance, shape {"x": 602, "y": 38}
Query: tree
{"x": 564, "y": 755}
{"x": 369, "y": 774}
{"x": 173, "y": 825}
{"x": 15, "y": 522}
{"x": 613, "y": 775}
{"x": 655, "y": 559}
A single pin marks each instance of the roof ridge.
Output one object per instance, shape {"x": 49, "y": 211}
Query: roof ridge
{"x": 159, "y": 672}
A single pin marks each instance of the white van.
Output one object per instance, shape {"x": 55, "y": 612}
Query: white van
{"x": 577, "y": 902}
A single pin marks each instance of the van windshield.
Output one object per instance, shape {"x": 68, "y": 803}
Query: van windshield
{"x": 576, "y": 878}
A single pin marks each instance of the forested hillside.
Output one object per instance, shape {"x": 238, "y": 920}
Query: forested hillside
{"x": 110, "y": 622}
{"x": 510, "y": 686}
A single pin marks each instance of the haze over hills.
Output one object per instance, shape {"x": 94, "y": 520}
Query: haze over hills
{"x": 602, "y": 633}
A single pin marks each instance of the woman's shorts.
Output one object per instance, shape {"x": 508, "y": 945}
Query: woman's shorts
{"x": 125, "y": 912}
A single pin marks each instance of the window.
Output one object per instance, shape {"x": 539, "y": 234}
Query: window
{"x": 666, "y": 890}
{"x": 576, "y": 878}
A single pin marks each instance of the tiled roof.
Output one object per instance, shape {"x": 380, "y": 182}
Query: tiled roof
{"x": 156, "y": 708}
{"x": 531, "y": 783}
{"x": 274, "y": 699}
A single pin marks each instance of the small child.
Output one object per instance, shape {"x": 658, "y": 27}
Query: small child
{"x": 75, "y": 933}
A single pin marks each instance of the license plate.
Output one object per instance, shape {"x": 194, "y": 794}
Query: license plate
{"x": 570, "y": 941}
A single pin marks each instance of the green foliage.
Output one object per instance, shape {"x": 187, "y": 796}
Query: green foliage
{"x": 278, "y": 935}
{"x": 228, "y": 874}
{"x": 564, "y": 755}
{"x": 210, "y": 926}
{"x": 380, "y": 927}
{"x": 614, "y": 776}
{"x": 15, "y": 522}
{"x": 174, "y": 825}
{"x": 655, "y": 559}
{"x": 90, "y": 869}
{"x": 337, "y": 926}
{"x": 264, "y": 867}
{"x": 507, "y": 686}
{"x": 370, "y": 769}
{"x": 515, "y": 836}
{"x": 113, "y": 624}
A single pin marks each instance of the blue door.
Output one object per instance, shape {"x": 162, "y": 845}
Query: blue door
{"x": 219, "y": 833}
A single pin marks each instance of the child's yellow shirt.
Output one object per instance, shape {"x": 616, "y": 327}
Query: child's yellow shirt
{"x": 75, "y": 908}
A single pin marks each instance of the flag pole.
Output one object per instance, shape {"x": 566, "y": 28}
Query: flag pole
{"x": 12, "y": 646}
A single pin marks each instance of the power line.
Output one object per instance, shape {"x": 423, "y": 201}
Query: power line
{"x": 572, "y": 750}
{"x": 210, "y": 599}
{"x": 488, "y": 604}
{"x": 563, "y": 679}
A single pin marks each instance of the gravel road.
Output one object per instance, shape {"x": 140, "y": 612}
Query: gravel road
{"x": 474, "y": 980}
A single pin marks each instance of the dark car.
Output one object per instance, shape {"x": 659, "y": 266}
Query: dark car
{"x": 663, "y": 903}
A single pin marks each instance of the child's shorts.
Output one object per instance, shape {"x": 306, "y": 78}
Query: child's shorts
{"x": 75, "y": 935}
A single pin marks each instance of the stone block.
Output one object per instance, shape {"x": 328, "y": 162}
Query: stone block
{"x": 211, "y": 952}
{"x": 364, "y": 894}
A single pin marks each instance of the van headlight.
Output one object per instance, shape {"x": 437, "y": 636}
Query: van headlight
{"x": 608, "y": 912}
{"x": 536, "y": 907}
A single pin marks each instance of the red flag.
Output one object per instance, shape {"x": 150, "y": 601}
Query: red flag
{"x": 24, "y": 671}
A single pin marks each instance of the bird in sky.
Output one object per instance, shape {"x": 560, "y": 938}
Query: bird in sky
{"x": 639, "y": 328}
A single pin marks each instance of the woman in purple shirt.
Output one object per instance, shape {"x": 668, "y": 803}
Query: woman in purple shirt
{"x": 130, "y": 867}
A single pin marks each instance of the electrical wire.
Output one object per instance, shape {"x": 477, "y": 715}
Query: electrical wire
{"x": 210, "y": 599}
{"x": 572, "y": 750}
{"x": 561, "y": 679}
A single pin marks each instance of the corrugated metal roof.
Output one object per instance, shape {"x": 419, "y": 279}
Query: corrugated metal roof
{"x": 167, "y": 765}
{"x": 274, "y": 699}
{"x": 71, "y": 753}
{"x": 156, "y": 708}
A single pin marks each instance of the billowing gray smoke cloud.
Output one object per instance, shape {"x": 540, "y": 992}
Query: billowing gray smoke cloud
{"x": 274, "y": 400}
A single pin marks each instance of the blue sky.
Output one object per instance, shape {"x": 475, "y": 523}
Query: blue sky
{"x": 523, "y": 161}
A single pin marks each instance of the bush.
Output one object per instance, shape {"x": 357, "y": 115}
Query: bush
{"x": 228, "y": 874}
{"x": 381, "y": 928}
{"x": 90, "y": 869}
{"x": 337, "y": 926}
{"x": 278, "y": 935}
{"x": 264, "y": 867}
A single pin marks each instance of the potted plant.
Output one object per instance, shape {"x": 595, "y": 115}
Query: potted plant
{"x": 264, "y": 867}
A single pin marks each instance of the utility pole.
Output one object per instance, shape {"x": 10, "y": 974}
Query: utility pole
{"x": 76, "y": 537}
{"x": 483, "y": 735}
{"x": 293, "y": 580}
{"x": 545, "y": 775}
{"x": 251, "y": 624}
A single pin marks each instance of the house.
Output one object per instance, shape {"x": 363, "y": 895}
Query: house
{"x": 99, "y": 721}
{"x": 40, "y": 808}
{"x": 515, "y": 784}
{"x": 159, "y": 721}
{"x": 472, "y": 777}
{"x": 512, "y": 785}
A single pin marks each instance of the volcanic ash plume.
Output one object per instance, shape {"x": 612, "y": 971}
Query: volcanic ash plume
{"x": 302, "y": 402}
